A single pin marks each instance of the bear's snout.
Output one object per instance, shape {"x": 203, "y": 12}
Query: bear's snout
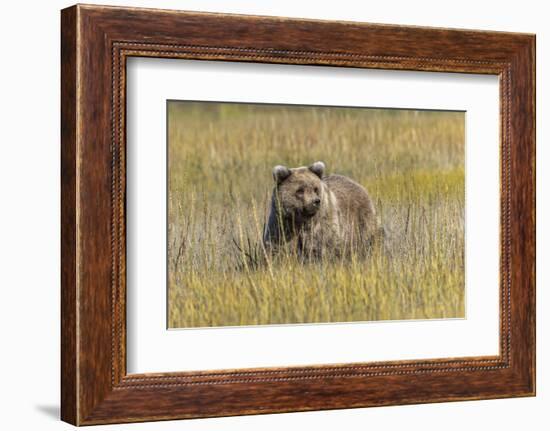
{"x": 312, "y": 207}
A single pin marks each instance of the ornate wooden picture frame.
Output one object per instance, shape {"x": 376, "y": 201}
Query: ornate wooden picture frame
{"x": 96, "y": 41}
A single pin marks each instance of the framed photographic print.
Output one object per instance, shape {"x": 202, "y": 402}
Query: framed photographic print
{"x": 266, "y": 215}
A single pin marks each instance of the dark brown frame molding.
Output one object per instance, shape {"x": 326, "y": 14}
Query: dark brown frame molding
{"x": 95, "y": 43}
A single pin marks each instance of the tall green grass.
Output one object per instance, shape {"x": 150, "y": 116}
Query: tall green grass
{"x": 220, "y": 162}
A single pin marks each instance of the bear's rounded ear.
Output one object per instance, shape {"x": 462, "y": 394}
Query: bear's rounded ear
{"x": 318, "y": 168}
{"x": 280, "y": 173}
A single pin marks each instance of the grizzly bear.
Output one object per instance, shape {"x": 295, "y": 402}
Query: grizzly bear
{"x": 318, "y": 215}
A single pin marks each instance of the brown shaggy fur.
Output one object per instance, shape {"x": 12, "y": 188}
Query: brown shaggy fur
{"x": 319, "y": 215}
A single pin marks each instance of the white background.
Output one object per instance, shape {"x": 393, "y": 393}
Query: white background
{"x": 29, "y": 216}
{"x": 151, "y": 348}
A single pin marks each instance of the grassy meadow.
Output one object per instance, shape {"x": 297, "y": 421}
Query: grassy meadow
{"x": 220, "y": 160}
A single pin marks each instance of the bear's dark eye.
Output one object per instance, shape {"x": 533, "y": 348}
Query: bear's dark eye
{"x": 300, "y": 191}
{"x": 316, "y": 190}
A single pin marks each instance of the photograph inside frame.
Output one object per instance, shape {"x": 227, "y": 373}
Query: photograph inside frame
{"x": 293, "y": 214}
